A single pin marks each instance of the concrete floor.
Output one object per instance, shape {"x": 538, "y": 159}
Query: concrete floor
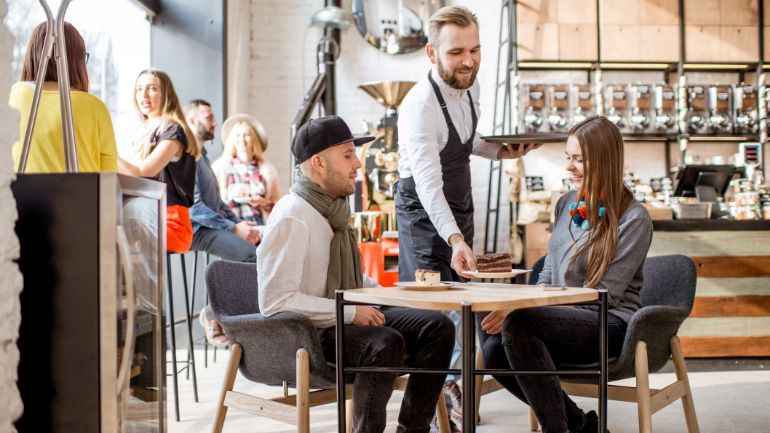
{"x": 733, "y": 399}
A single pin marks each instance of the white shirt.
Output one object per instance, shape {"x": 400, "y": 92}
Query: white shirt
{"x": 423, "y": 134}
{"x": 293, "y": 261}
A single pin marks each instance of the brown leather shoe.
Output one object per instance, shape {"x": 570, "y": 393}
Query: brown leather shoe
{"x": 215, "y": 335}
{"x": 456, "y": 397}
{"x": 453, "y": 428}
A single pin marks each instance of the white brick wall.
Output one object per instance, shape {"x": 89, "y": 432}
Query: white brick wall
{"x": 10, "y": 310}
{"x": 282, "y": 65}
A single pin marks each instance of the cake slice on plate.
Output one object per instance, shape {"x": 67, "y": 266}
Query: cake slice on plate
{"x": 427, "y": 277}
{"x": 495, "y": 262}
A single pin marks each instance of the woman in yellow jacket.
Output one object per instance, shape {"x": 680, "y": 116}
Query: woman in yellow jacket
{"x": 94, "y": 135}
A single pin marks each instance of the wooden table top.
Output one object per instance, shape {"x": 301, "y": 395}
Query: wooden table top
{"x": 481, "y": 296}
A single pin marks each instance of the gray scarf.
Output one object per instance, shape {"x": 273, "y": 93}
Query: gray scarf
{"x": 344, "y": 259}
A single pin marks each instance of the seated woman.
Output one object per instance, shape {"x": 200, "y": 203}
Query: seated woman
{"x": 600, "y": 240}
{"x": 249, "y": 183}
{"x": 167, "y": 151}
{"x": 94, "y": 136}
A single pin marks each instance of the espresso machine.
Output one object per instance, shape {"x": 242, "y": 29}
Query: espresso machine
{"x": 745, "y": 98}
{"x": 533, "y": 107}
{"x": 582, "y": 101}
{"x": 720, "y": 119}
{"x": 697, "y": 113}
{"x": 664, "y": 106}
{"x": 558, "y": 113}
{"x": 641, "y": 108}
{"x": 616, "y": 103}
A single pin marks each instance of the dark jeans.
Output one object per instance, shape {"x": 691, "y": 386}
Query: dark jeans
{"x": 545, "y": 338}
{"x": 224, "y": 244}
{"x": 410, "y": 337}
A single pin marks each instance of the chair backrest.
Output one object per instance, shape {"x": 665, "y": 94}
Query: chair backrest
{"x": 232, "y": 288}
{"x": 537, "y": 267}
{"x": 669, "y": 280}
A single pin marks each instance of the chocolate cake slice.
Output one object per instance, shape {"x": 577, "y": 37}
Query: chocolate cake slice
{"x": 495, "y": 262}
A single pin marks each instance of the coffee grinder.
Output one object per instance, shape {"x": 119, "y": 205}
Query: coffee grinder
{"x": 745, "y": 98}
{"x": 616, "y": 97}
{"x": 719, "y": 100}
{"x": 641, "y": 108}
{"x": 380, "y": 157}
{"x": 696, "y": 110}
{"x": 664, "y": 105}
{"x": 558, "y": 116}
{"x": 533, "y": 104}
{"x": 582, "y": 101}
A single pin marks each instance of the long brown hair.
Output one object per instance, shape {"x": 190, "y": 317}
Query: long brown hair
{"x": 170, "y": 108}
{"x": 76, "y": 57}
{"x": 602, "y": 147}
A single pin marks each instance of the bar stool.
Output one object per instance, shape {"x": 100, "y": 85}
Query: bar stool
{"x": 205, "y": 304}
{"x": 190, "y": 363}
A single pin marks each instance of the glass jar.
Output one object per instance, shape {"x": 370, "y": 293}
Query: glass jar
{"x": 766, "y": 211}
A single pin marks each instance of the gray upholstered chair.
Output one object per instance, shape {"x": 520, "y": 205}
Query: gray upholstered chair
{"x": 283, "y": 349}
{"x": 668, "y": 293}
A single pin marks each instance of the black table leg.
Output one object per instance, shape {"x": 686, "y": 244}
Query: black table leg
{"x": 603, "y": 361}
{"x": 469, "y": 388}
{"x": 340, "y": 338}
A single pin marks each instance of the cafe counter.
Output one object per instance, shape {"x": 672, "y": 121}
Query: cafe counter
{"x": 731, "y": 315}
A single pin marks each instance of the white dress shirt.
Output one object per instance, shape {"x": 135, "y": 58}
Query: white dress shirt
{"x": 293, "y": 262}
{"x": 423, "y": 134}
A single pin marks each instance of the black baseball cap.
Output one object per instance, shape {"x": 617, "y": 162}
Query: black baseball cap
{"x": 320, "y": 134}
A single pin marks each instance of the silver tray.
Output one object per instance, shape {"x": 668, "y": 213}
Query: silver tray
{"x": 528, "y": 138}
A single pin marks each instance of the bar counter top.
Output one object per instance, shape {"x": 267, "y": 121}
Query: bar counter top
{"x": 687, "y": 225}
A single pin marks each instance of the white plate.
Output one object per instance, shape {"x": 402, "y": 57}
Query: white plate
{"x": 242, "y": 200}
{"x": 413, "y": 285}
{"x": 511, "y": 274}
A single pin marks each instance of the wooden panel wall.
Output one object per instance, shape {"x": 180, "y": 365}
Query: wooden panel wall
{"x": 640, "y": 30}
{"x": 721, "y": 30}
{"x": 557, "y": 29}
{"x": 731, "y": 315}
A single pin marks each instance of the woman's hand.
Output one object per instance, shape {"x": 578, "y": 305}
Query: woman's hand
{"x": 493, "y": 323}
{"x": 259, "y": 201}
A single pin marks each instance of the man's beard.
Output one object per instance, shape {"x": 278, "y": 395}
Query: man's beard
{"x": 203, "y": 133}
{"x": 339, "y": 183}
{"x": 451, "y": 79}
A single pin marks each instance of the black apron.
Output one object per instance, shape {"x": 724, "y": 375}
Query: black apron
{"x": 419, "y": 244}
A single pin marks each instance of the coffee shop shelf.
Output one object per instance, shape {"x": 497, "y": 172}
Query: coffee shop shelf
{"x": 731, "y": 315}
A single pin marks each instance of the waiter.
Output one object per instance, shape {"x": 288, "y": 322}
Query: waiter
{"x": 437, "y": 135}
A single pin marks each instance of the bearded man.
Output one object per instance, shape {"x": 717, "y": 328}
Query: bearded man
{"x": 437, "y": 135}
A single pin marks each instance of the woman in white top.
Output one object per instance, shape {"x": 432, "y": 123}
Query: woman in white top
{"x": 249, "y": 184}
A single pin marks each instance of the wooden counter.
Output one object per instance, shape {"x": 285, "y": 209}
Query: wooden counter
{"x": 731, "y": 315}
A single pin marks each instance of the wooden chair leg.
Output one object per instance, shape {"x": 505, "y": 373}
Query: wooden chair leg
{"x": 236, "y": 351}
{"x": 643, "y": 388}
{"x": 478, "y": 381}
{"x": 442, "y": 416}
{"x": 681, "y": 374}
{"x": 349, "y": 416}
{"x": 533, "y": 423}
{"x": 303, "y": 391}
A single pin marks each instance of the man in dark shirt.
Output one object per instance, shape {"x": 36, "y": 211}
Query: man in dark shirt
{"x": 216, "y": 229}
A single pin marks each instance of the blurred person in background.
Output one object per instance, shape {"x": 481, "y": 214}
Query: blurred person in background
{"x": 167, "y": 151}
{"x": 94, "y": 136}
{"x": 249, "y": 183}
{"x": 216, "y": 229}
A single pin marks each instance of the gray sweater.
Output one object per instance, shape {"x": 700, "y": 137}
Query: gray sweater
{"x": 624, "y": 275}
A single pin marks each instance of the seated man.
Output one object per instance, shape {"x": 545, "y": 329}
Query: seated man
{"x": 309, "y": 251}
{"x": 216, "y": 230}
